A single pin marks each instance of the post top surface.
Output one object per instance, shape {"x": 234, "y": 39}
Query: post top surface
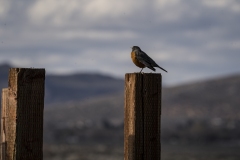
{"x": 137, "y": 73}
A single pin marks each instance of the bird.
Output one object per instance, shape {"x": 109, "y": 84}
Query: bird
{"x": 142, "y": 60}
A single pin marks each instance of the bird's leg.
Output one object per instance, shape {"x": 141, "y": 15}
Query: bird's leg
{"x": 141, "y": 70}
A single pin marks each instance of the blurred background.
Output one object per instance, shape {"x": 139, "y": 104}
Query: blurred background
{"x": 85, "y": 48}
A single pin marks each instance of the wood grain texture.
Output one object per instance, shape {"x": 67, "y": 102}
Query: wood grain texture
{"x": 142, "y": 113}
{"x": 24, "y": 133}
{"x": 3, "y": 123}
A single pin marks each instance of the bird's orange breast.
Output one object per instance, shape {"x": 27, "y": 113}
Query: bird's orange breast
{"x": 136, "y": 61}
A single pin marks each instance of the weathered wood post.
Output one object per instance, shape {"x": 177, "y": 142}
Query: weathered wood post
{"x": 142, "y": 116}
{"x": 24, "y": 114}
{"x": 3, "y": 123}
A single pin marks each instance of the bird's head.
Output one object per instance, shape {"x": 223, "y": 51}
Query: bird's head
{"x": 136, "y": 48}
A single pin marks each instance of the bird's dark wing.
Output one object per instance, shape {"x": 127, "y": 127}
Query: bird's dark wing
{"x": 151, "y": 63}
{"x": 144, "y": 59}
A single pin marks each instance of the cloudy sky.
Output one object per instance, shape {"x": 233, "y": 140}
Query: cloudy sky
{"x": 191, "y": 39}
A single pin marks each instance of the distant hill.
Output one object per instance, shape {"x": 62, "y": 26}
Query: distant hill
{"x": 80, "y": 86}
{"x": 75, "y": 87}
{"x": 214, "y": 98}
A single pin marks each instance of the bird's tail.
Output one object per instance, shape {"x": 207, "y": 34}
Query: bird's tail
{"x": 161, "y": 68}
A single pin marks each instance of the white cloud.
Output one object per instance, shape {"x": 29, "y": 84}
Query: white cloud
{"x": 63, "y": 12}
{"x": 230, "y": 45}
{"x": 169, "y": 10}
{"x": 233, "y": 5}
{"x": 166, "y": 3}
{"x": 217, "y": 3}
{"x": 53, "y": 11}
{"x": 96, "y": 34}
{"x": 4, "y": 7}
{"x": 110, "y": 8}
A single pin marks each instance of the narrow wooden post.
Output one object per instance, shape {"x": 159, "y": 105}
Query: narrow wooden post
{"x": 24, "y": 116}
{"x": 3, "y": 123}
{"x": 142, "y": 116}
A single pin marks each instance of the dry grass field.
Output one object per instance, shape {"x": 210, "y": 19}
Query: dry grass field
{"x": 169, "y": 152}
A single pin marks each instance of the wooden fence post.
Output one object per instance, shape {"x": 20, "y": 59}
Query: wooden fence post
{"x": 142, "y": 116}
{"x": 3, "y": 123}
{"x": 24, "y": 114}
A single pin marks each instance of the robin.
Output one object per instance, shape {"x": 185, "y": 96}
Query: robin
{"x": 142, "y": 60}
